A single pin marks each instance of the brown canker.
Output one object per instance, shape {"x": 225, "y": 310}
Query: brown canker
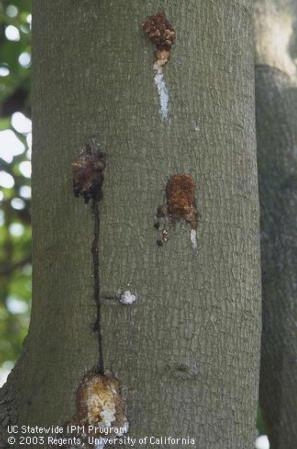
{"x": 180, "y": 195}
{"x": 162, "y": 34}
{"x": 88, "y": 174}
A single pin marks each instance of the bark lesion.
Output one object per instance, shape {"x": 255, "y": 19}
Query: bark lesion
{"x": 162, "y": 34}
{"x": 180, "y": 206}
{"x": 160, "y": 31}
{"x": 88, "y": 173}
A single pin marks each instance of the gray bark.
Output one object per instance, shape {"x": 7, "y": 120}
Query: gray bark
{"x": 276, "y": 111}
{"x": 187, "y": 353}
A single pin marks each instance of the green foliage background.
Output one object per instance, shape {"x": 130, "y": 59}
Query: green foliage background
{"x": 15, "y": 223}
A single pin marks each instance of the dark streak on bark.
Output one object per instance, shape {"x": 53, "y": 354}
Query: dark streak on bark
{"x": 95, "y": 254}
{"x": 88, "y": 177}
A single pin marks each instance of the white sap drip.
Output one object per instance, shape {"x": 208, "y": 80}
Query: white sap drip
{"x": 162, "y": 91}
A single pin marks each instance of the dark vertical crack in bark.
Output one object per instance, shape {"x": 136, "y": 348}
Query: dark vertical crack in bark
{"x": 88, "y": 176}
{"x": 95, "y": 254}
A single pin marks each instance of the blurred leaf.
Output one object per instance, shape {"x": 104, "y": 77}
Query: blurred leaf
{"x": 4, "y": 123}
{"x": 15, "y": 248}
{"x": 14, "y": 88}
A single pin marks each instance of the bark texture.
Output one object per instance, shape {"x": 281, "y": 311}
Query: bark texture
{"x": 187, "y": 351}
{"x": 276, "y": 111}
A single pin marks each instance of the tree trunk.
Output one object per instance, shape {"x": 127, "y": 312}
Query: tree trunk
{"x": 276, "y": 106}
{"x": 186, "y": 352}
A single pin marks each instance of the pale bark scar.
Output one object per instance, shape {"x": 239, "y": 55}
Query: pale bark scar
{"x": 100, "y": 408}
{"x": 99, "y": 402}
